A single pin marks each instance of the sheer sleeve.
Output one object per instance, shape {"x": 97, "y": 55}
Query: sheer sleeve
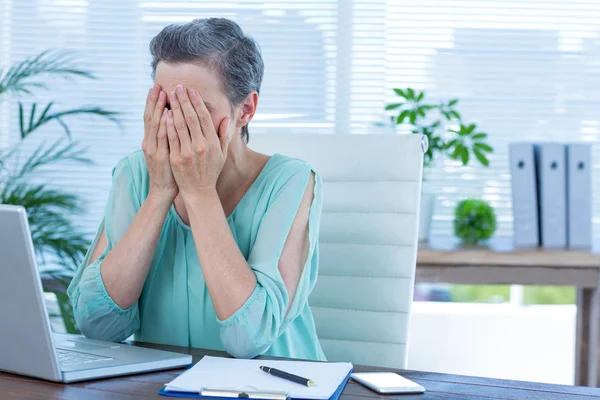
{"x": 96, "y": 314}
{"x": 252, "y": 329}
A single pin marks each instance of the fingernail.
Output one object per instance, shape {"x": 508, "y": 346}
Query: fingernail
{"x": 150, "y": 91}
{"x": 164, "y": 113}
{"x": 170, "y": 113}
{"x": 162, "y": 95}
{"x": 155, "y": 88}
{"x": 173, "y": 97}
{"x": 180, "y": 89}
{"x": 193, "y": 94}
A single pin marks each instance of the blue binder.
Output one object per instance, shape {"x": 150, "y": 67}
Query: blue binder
{"x": 579, "y": 195}
{"x": 524, "y": 194}
{"x": 163, "y": 392}
{"x": 552, "y": 171}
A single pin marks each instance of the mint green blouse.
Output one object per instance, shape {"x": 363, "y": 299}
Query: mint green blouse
{"x": 175, "y": 307}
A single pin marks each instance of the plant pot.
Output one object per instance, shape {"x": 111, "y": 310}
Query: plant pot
{"x": 425, "y": 215}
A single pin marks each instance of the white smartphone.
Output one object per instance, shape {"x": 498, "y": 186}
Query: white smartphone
{"x": 387, "y": 382}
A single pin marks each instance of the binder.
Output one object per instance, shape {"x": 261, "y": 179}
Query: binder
{"x": 524, "y": 194}
{"x": 579, "y": 195}
{"x": 244, "y": 395}
{"x": 228, "y": 378}
{"x": 552, "y": 180}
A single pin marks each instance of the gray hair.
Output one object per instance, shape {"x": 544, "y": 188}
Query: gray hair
{"x": 219, "y": 44}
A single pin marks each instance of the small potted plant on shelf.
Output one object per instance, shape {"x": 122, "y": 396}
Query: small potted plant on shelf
{"x": 447, "y": 133}
{"x": 474, "y": 221}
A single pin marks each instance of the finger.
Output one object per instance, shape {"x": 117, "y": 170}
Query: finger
{"x": 206, "y": 124}
{"x": 174, "y": 144}
{"x": 161, "y": 103}
{"x": 151, "y": 100}
{"x": 179, "y": 122}
{"x": 161, "y": 136}
{"x": 189, "y": 114}
{"x": 224, "y": 138}
{"x": 154, "y": 125}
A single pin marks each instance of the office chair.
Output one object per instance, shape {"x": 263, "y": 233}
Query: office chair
{"x": 368, "y": 239}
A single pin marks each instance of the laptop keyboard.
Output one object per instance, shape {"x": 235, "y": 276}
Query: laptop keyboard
{"x": 66, "y": 357}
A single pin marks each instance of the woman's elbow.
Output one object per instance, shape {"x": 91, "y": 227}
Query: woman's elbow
{"x": 252, "y": 330}
{"x": 245, "y": 350}
{"x": 107, "y": 326}
{"x": 99, "y": 332}
{"x": 243, "y": 343}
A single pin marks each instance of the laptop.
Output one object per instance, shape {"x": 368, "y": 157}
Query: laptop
{"x": 27, "y": 344}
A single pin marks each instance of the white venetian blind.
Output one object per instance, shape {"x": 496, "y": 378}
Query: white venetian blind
{"x": 523, "y": 69}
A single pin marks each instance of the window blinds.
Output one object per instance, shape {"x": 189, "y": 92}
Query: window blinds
{"x": 522, "y": 69}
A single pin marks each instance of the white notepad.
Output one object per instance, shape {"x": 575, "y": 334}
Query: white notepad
{"x": 245, "y": 375}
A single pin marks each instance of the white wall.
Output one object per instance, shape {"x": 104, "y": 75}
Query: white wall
{"x": 531, "y": 343}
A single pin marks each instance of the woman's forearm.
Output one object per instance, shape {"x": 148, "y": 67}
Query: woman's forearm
{"x": 229, "y": 278}
{"x": 126, "y": 266}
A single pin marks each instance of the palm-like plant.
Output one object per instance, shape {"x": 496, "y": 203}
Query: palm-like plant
{"x": 59, "y": 244}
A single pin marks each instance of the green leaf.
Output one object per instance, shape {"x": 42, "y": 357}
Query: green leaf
{"x": 452, "y": 102}
{"x": 50, "y": 213}
{"x": 436, "y": 124}
{"x": 402, "y": 116}
{"x": 32, "y": 116}
{"x": 463, "y": 131}
{"x": 426, "y": 131}
{"x": 412, "y": 117}
{"x": 420, "y": 96}
{"x": 483, "y": 147}
{"x": 479, "y": 136}
{"x": 47, "y": 117}
{"x": 393, "y": 106}
{"x": 481, "y": 157}
{"x": 67, "y": 313}
{"x": 18, "y": 78}
{"x": 410, "y": 94}
{"x": 454, "y": 114}
{"x": 452, "y": 143}
{"x": 56, "y": 152}
{"x": 457, "y": 152}
{"x": 421, "y": 112}
{"x": 469, "y": 129}
{"x": 21, "y": 122}
{"x": 400, "y": 93}
{"x": 464, "y": 156}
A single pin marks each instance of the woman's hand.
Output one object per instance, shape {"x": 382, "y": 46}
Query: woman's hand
{"x": 197, "y": 151}
{"x": 156, "y": 146}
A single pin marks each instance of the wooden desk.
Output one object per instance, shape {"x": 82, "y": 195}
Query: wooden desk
{"x": 444, "y": 260}
{"x": 439, "y": 386}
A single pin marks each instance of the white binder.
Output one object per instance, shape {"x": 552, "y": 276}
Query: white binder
{"x": 552, "y": 181}
{"x": 579, "y": 195}
{"x": 524, "y": 194}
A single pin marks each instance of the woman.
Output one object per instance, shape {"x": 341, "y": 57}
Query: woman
{"x": 204, "y": 242}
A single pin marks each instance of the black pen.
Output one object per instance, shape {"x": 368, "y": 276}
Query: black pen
{"x": 287, "y": 376}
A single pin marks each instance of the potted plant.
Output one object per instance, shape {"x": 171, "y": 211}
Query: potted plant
{"x": 59, "y": 244}
{"x": 448, "y": 136}
{"x": 474, "y": 221}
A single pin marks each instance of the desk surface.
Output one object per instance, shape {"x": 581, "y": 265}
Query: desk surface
{"x": 501, "y": 251}
{"x": 146, "y": 386}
